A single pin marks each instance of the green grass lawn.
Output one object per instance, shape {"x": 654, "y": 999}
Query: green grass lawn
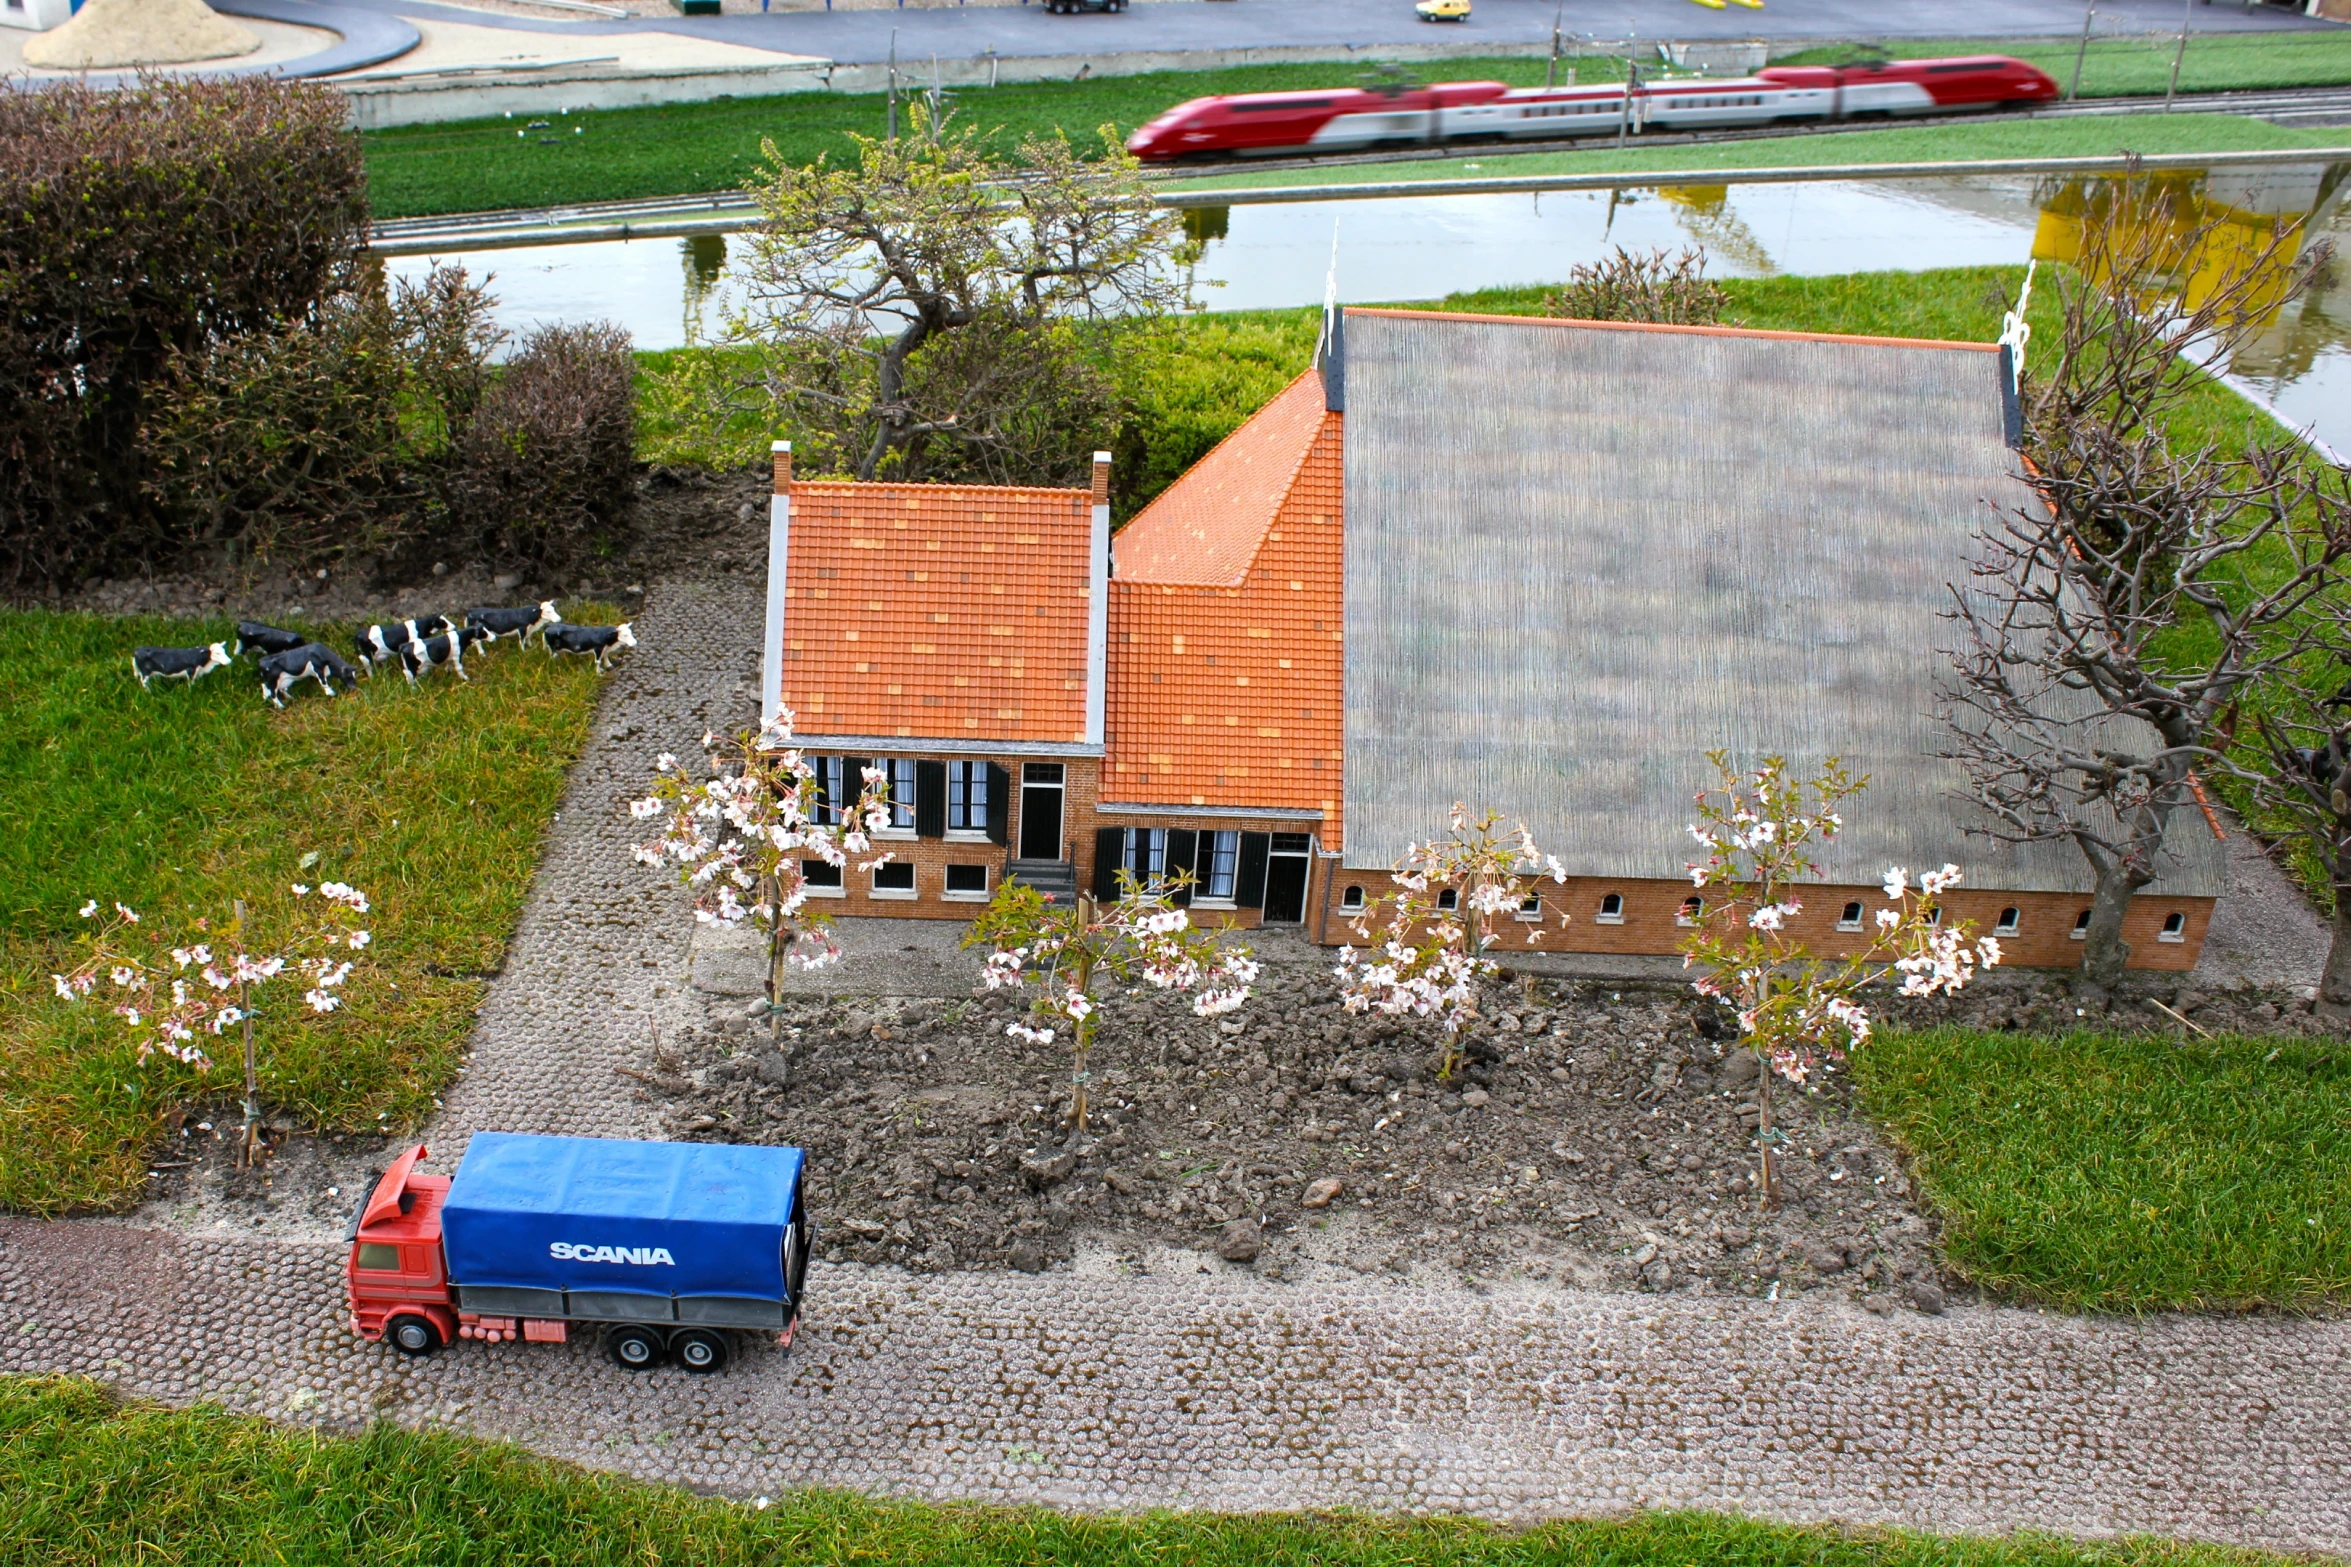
{"x": 616, "y": 154}
{"x": 677, "y": 149}
{"x": 2133, "y": 1172}
{"x": 86, "y": 1482}
{"x": 177, "y": 800}
{"x": 1950, "y": 142}
{"x": 2122, "y": 66}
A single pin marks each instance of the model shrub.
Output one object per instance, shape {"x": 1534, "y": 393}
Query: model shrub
{"x": 1670, "y": 290}
{"x": 543, "y": 472}
{"x": 136, "y": 227}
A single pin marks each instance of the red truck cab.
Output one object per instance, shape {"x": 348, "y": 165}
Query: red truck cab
{"x": 398, "y": 1282}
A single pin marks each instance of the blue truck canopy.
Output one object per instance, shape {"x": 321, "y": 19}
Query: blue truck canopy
{"x": 600, "y": 1217}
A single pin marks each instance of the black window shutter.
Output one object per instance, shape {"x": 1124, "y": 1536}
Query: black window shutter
{"x": 1183, "y": 856}
{"x": 1110, "y": 847}
{"x": 852, "y": 784}
{"x": 1249, "y": 883}
{"x": 930, "y": 799}
{"x": 999, "y": 804}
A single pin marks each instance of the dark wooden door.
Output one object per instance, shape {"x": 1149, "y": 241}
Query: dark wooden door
{"x": 1285, "y": 888}
{"x": 1040, "y": 821}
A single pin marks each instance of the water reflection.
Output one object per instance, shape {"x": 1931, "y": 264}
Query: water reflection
{"x": 675, "y": 292}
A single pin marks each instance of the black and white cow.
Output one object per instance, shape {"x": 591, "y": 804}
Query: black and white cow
{"x": 254, "y": 637}
{"x": 381, "y": 644}
{"x": 600, "y": 641}
{"x": 424, "y": 654}
{"x": 178, "y": 663}
{"x": 280, "y": 672}
{"x": 520, "y": 624}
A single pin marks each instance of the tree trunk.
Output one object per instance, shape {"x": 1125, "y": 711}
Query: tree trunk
{"x": 2104, "y": 953}
{"x": 778, "y": 955}
{"x": 2334, "y": 985}
{"x": 1769, "y": 1170}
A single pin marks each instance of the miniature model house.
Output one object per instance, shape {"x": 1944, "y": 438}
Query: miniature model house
{"x": 1539, "y": 566}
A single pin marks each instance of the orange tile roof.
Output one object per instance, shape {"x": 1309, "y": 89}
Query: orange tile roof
{"x": 1206, "y": 527}
{"x": 1225, "y": 625}
{"x": 939, "y": 611}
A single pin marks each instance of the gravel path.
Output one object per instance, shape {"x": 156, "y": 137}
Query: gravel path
{"x": 1101, "y": 1392}
{"x": 1108, "y": 1388}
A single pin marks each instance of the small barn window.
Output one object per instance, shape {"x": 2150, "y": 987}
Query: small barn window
{"x": 2081, "y": 926}
{"x": 967, "y": 882}
{"x": 2011, "y": 921}
{"x": 2175, "y": 927}
{"x": 1612, "y": 909}
{"x": 894, "y": 879}
{"x": 1693, "y": 910}
{"x": 1849, "y": 918}
{"x": 1448, "y": 899}
{"x": 1935, "y": 917}
{"x": 1352, "y": 898}
{"x": 824, "y": 881}
{"x": 1530, "y": 909}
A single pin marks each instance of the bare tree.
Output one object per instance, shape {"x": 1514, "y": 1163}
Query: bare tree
{"x": 858, "y": 278}
{"x": 2297, "y": 763}
{"x": 2114, "y": 626}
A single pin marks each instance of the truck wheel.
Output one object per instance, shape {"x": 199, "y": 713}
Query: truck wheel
{"x": 413, "y": 1336}
{"x": 699, "y": 1350}
{"x": 634, "y": 1349}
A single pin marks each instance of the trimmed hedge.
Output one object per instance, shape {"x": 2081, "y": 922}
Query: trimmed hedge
{"x": 137, "y": 227}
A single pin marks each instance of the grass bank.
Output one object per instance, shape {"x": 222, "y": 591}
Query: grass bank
{"x": 2128, "y": 64}
{"x": 84, "y": 1481}
{"x": 433, "y": 800}
{"x": 679, "y": 149}
{"x": 2128, "y": 1172}
{"x": 619, "y": 154}
{"x": 1955, "y": 141}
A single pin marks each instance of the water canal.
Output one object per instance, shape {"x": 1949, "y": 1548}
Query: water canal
{"x": 671, "y": 293}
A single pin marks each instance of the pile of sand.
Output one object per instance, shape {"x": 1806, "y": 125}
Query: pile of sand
{"x": 112, "y": 34}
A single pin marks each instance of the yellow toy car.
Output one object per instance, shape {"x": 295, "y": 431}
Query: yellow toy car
{"x": 1443, "y": 10}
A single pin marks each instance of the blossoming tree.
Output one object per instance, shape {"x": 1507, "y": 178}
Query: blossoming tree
{"x": 740, "y": 839}
{"x": 1430, "y": 950}
{"x": 171, "y": 996}
{"x": 1798, "y": 1011}
{"x": 1065, "y": 949}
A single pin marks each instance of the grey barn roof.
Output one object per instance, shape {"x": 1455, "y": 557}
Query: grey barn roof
{"x": 1579, "y": 557}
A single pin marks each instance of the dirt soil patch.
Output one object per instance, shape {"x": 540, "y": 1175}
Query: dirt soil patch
{"x": 1595, "y": 1136}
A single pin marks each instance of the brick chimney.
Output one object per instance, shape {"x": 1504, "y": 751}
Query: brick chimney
{"x": 779, "y": 554}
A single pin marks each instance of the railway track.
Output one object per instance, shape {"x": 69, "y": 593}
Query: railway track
{"x": 718, "y": 212}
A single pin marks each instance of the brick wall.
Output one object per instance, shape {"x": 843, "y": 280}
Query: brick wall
{"x": 1649, "y": 922}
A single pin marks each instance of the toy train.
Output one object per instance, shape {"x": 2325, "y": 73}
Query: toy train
{"x": 1353, "y": 119}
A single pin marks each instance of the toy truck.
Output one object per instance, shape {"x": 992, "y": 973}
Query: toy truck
{"x": 666, "y": 1247}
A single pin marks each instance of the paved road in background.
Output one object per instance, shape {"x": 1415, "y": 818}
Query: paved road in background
{"x": 1216, "y": 25}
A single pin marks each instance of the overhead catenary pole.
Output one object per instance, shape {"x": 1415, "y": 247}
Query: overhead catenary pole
{"x": 2074, "y": 89}
{"x": 1551, "y": 71}
{"x": 2171, "y": 88}
{"x": 893, "y": 84}
{"x": 1632, "y": 84}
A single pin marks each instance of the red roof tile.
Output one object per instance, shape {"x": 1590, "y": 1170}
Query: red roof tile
{"x": 937, "y": 611}
{"x": 1225, "y": 627}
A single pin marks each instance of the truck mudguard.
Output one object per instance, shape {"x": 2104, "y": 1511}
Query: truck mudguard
{"x": 600, "y": 1217}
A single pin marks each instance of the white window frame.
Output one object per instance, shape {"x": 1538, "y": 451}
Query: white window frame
{"x": 1217, "y": 845}
{"x": 2010, "y": 922}
{"x": 815, "y": 890}
{"x": 1606, "y": 916}
{"x": 986, "y": 885}
{"x": 897, "y": 769}
{"x": 961, "y": 776}
{"x": 1529, "y": 912}
{"x": 1851, "y": 921}
{"x": 1448, "y": 898}
{"x": 2175, "y": 917}
{"x": 1689, "y": 912}
{"x": 2081, "y": 926}
{"x": 1352, "y": 900}
{"x": 897, "y": 894}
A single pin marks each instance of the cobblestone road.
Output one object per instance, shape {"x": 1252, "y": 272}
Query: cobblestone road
{"x": 1207, "y": 1390}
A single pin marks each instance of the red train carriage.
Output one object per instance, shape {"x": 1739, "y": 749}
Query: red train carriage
{"x": 1353, "y": 119}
